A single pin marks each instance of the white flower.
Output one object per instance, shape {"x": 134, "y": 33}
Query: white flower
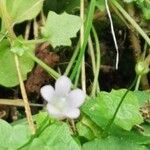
{"x": 62, "y": 102}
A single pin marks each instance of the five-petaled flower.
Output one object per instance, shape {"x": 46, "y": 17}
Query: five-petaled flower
{"x": 62, "y": 102}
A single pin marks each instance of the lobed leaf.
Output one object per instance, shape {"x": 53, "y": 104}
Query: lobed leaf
{"x": 60, "y": 28}
{"x": 102, "y": 108}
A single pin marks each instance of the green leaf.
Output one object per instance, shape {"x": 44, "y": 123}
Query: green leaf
{"x": 20, "y": 134}
{"x": 146, "y": 131}
{"x": 88, "y": 129}
{"x": 112, "y": 143}
{"x": 55, "y": 137}
{"x": 84, "y": 131}
{"x": 12, "y": 137}
{"x": 22, "y": 10}
{"x": 101, "y": 109}
{"x": 5, "y": 132}
{"x": 8, "y": 73}
{"x": 131, "y": 136}
{"x": 60, "y": 28}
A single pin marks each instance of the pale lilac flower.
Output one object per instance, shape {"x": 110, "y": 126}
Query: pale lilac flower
{"x": 62, "y": 102}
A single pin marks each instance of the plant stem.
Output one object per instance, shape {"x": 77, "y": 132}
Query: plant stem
{"x": 131, "y": 20}
{"x": 51, "y": 71}
{"x": 83, "y": 74}
{"x": 138, "y": 83}
{"x": 77, "y": 78}
{"x": 108, "y": 126}
{"x": 72, "y": 59}
{"x": 88, "y": 25}
{"x": 17, "y": 102}
{"x": 95, "y": 83}
{"x": 91, "y": 53}
{"x": 27, "y": 30}
{"x": 35, "y": 29}
{"x": 8, "y": 25}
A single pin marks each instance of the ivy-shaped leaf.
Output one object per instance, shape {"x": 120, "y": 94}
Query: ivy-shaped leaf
{"x": 101, "y": 109}
{"x": 60, "y": 28}
{"x": 8, "y": 72}
{"x": 22, "y": 10}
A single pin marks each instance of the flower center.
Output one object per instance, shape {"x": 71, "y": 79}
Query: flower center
{"x": 60, "y": 103}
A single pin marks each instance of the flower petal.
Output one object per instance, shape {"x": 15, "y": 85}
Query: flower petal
{"x": 53, "y": 111}
{"x": 62, "y": 85}
{"x": 76, "y": 98}
{"x": 72, "y": 113}
{"x": 47, "y": 92}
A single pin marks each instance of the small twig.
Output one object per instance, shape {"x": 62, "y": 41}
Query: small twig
{"x": 113, "y": 33}
{"x": 17, "y": 102}
{"x": 24, "y": 96}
